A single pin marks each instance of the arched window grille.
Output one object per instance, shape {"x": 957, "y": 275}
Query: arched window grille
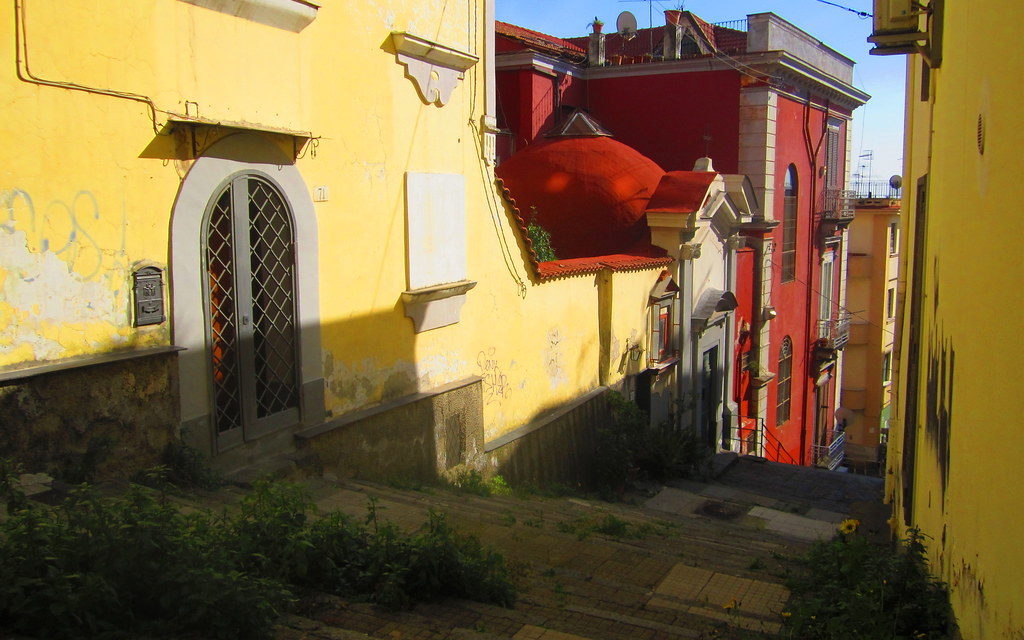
{"x": 789, "y": 211}
{"x": 785, "y": 386}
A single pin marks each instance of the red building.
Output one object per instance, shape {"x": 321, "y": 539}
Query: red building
{"x": 761, "y": 98}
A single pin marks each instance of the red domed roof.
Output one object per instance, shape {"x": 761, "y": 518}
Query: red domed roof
{"x": 590, "y": 193}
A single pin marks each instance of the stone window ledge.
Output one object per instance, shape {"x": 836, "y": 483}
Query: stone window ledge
{"x": 436, "y": 306}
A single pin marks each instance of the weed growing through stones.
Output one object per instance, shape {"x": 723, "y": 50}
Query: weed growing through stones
{"x": 609, "y": 525}
{"x": 852, "y": 589}
{"x": 472, "y": 481}
{"x": 181, "y": 467}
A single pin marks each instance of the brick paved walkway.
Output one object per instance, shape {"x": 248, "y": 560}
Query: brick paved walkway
{"x": 706, "y": 564}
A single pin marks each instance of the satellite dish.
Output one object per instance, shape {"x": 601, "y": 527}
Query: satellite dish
{"x": 625, "y": 24}
{"x": 896, "y": 181}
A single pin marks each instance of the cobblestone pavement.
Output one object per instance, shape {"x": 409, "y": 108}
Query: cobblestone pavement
{"x": 705, "y": 564}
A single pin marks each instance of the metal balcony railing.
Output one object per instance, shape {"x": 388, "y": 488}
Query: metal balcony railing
{"x": 738, "y": 25}
{"x": 834, "y": 333}
{"x": 754, "y": 439}
{"x": 876, "y": 189}
{"x": 837, "y": 204}
{"x": 831, "y": 455}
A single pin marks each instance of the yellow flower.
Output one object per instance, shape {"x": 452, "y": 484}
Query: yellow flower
{"x": 786, "y": 614}
{"x": 729, "y": 606}
{"x": 848, "y": 526}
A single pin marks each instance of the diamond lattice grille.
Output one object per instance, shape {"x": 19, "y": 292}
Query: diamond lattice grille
{"x": 273, "y": 299}
{"x": 223, "y": 321}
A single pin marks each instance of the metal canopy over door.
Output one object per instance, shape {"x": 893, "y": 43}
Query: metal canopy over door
{"x": 250, "y": 267}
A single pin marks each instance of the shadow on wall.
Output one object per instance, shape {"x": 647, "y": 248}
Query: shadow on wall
{"x": 407, "y": 427}
{"x": 98, "y": 421}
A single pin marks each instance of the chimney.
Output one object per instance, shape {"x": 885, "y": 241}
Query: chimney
{"x": 703, "y": 164}
{"x": 595, "y": 47}
{"x": 672, "y": 40}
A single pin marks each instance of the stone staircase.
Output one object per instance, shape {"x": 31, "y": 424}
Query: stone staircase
{"x": 694, "y": 561}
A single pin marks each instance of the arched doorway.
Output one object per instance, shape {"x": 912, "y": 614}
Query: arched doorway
{"x": 245, "y": 296}
{"x": 250, "y": 311}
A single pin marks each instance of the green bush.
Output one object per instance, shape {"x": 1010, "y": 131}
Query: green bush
{"x": 371, "y": 560}
{"x": 134, "y": 565}
{"x": 127, "y": 566}
{"x": 629, "y": 449}
{"x": 852, "y": 589}
{"x": 540, "y": 239}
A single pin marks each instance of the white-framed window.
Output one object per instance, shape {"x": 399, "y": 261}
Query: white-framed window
{"x": 825, "y": 297}
{"x": 887, "y": 368}
{"x": 890, "y": 303}
{"x": 894, "y": 238}
{"x": 662, "y": 304}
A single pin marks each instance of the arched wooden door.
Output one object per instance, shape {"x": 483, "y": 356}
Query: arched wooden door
{"x": 252, "y": 332}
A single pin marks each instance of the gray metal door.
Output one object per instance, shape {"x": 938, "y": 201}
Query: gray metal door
{"x": 250, "y": 267}
{"x": 709, "y": 394}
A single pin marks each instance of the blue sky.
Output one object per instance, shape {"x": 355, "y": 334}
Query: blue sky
{"x": 878, "y": 126}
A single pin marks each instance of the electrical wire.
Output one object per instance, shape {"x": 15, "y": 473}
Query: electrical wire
{"x": 493, "y": 206}
{"x": 861, "y": 14}
{"x": 857, "y": 314}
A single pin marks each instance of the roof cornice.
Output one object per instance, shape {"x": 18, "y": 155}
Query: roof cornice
{"x": 796, "y": 71}
{"x": 536, "y": 61}
{"x": 792, "y": 70}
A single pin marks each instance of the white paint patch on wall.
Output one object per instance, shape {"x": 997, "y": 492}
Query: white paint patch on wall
{"x": 436, "y": 206}
{"x": 40, "y": 288}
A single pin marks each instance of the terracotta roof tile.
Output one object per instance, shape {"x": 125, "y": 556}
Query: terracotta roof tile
{"x": 730, "y": 40}
{"x": 540, "y": 41}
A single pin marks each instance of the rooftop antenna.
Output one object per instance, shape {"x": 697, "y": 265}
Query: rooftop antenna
{"x": 870, "y": 155}
{"x": 625, "y": 24}
{"x": 650, "y": 19}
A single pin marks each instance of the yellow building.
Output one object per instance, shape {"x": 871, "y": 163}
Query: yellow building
{"x": 272, "y": 227}
{"x": 954, "y": 450}
{"x": 871, "y": 297}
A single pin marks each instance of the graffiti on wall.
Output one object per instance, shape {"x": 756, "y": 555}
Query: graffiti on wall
{"x": 496, "y": 386}
{"x": 63, "y": 228}
{"x": 553, "y": 359}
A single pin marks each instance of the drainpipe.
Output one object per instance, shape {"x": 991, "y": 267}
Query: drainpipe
{"x": 489, "y": 121}
{"x": 813, "y": 149}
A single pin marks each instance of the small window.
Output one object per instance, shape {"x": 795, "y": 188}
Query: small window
{"x": 894, "y": 238}
{"x": 887, "y": 368}
{"x": 890, "y": 303}
{"x": 782, "y": 394}
{"x": 661, "y": 302}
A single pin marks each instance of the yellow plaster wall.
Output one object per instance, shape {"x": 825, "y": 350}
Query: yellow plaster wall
{"x": 971, "y": 309}
{"x": 87, "y": 184}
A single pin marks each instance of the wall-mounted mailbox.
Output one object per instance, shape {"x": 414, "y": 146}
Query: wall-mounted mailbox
{"x": 148, "y": 291}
